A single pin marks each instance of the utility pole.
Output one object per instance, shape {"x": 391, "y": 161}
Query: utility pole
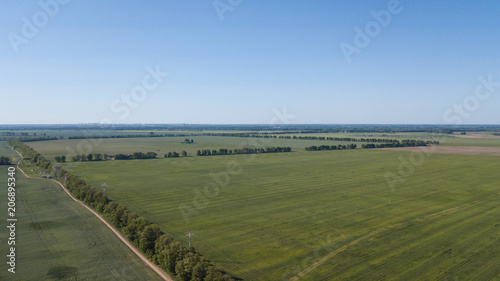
{"x": 189, "y": 236}
{"x": 104, "y": 187}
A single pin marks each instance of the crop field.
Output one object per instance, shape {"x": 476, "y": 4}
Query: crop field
{"x": 56, "y": 239}
{"x": 5, "y": 150}
{"x": 328, "y": 215}
{"x": 458, "y": 141}
{"x": 164, "y": 145}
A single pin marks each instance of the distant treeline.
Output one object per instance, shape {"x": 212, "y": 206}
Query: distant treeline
{"x": 246, "y": 150}
{"x": 30, "y": 139}
{"x": 281, "y": 128}
{"x": 136, "y": 155}
{"x": 87, "y": 157}
{"x": 339, "y": 139}
{"x": 169, "y": 254}
{"x": 331, "y": 147}
{"x": 403, "y": 143}
{"x": 173, "y": 154}
{"x": 150, "y": 135}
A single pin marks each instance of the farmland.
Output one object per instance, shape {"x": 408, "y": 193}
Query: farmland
{"x": 5, "y": 150}
{"x": 59, "y": 240}
{"x": 271, "y": 218}
{"x": 164, "y": 145}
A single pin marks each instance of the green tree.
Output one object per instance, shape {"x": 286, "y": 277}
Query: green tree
{"x": 5, "y": 160}
{"x": 148, "y": 238}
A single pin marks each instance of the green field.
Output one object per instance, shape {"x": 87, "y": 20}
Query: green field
{"x": 273, "y": 217}
{"x": 457, "y": 141}
{"x": 164, "y": 145}
{"x": 6, "y": 150}
{"x": 57, "y": 239}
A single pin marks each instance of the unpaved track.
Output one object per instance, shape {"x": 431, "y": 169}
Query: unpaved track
{"x": 162, "y": 274}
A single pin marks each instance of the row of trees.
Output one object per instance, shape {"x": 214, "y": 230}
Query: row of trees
{"x": 135, "y": 155}
{"x": 163, "y": 250}
{"x": 174, "y": 154}
{"x": 404, "y": 143}
{"x": 331, "y": 147}
{"x": 150, "y": 135}
{"x": 88, "y": 157}
{"x": 340, "y": 139}
{"x": 60, "y": 159}
{"x": 245, "y": 150}
{"x": 5, "y": 160}
{"x": 29, "y": 139}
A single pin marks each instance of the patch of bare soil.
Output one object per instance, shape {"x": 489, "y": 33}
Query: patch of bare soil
{"x": 477, "y": 136}
{"x": 461, "y": 150}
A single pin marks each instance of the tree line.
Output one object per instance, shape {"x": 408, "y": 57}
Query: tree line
{"x": 174, "y": 154}
{"x": 87, "y": 157}
{"x": 30, "y": 139}
{"x": 5, "y": 160}
{"x": 150, "y": 135}
{"x": 404, "y": 143}
{"x": 169, "y": 254}
{"x": 245, "y": 150}
{"x": 380, "y": 140}
{"x": 331, "y": 147}
{"x": 136, "y": 155}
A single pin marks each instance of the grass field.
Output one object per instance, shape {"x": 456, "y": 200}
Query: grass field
{"x": 164, "y": 145}
{"x": 328, "y": 215}
{"x": 57, "y": 239}
{"x": 457, "y": 141}
{"x": 5, "y": 150}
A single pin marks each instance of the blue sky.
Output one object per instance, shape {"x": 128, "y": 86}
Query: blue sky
{"x": 243, "y": 64}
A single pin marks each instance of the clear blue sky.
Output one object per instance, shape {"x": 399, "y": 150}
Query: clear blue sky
{"x": 259, "y": 57}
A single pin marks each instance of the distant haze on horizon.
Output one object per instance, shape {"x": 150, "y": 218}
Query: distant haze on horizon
{"x": 250, "y": 62}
